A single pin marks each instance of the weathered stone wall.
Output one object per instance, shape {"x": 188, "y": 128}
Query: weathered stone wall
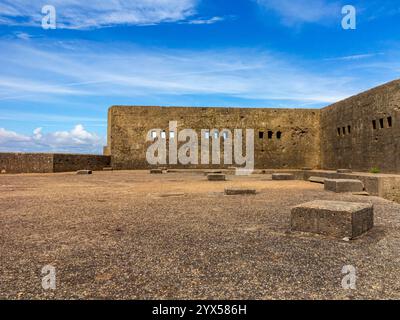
{"x": 293, "y": 141}
{"x": 73, "y": 162}
{"x": 26, "y": 162}
{"x": 363, "y": 132}
{"x": 49, "y": 162}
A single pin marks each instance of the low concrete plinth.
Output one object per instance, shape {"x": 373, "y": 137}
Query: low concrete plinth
{"x": 216, "y": 177}
{"x": 344, "y": 171}
{"x": 84, "y": 172}
{"x": 320, "y": 180}
{"x": 282, "y": 176}
{"x": 343, "y": 185}
{"x": 156, "y": 171}
{"x": 239, "y": 191}
{"x": 333, "y": 218}
{"x": 206, "y": 173}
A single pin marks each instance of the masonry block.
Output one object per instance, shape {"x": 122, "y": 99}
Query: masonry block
{"x": 108, "y": 169}
{"x": 282, "y": 176}
{"x": 156, "y": 171}
{"x": 239, "y": 191}
{"x": 84, "y": 172}
{"x": 333, "y": 218}
{"x": 343, "y": 185}
{"x": 216, "y": 177}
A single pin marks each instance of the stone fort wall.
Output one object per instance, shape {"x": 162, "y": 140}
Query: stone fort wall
{"x": 284, "y": 138}
{"x": 51, "y": 162}
{"x": 363, "y": 132}
{"x": 359, "y": 133}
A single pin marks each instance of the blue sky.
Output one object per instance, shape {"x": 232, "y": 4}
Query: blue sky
{"x": 56, "y": 85}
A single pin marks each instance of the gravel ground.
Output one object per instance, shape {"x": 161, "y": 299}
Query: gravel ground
{"x": 132, "y": 235}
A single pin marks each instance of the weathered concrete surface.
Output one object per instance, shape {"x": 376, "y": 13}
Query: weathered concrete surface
{"x": 216, "y": 177}
{"x": 343, "y": 185}
{"x": 239, "y": 191}
{"x": 283, "y": 176}
{"x": 299, "y": 128}
{"x": 333, "y": 218}
{"x": 50, "y": 162}
{"x": 131, "y": 243}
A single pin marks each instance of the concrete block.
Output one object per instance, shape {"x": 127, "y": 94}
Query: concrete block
{"x": 206, "y": 173}
{"x": 108, "y": 169}
{"x": 344, "y": 171}
{"x": 156, "y": 171}
{"x": 320, "y": 180}
{"x": 216, "y": 177}
{"x": 333, "y": 218}
{"x": 239, "y": 191}
{"x": 343, "y": 185}
{"x": 282, "y": 176}
{"x": 84, "y": 172}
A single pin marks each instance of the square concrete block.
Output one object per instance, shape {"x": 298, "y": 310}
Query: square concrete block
{"x": 239, "y": 191}
{"x": 333, "y": 218}
{"x": 216, "y": 177}
{"x": 343, "y": 185}
{"x": 156, "y": 171}
{"x": 282, "y": 176}
{"x": 84, "y": 172}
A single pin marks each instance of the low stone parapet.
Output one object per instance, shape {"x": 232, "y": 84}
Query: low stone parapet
{"x": 343, "y": 185}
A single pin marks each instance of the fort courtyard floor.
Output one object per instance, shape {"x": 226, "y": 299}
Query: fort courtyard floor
{"x": 129, "y": 234}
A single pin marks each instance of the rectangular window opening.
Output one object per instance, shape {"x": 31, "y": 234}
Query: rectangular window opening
{"x": 344, "y": 131}
{"x": 390, "y": 122}
{"x": 349, "y": 129}
{"x": 381, "y": 123}
{"x": 261, "y": 135}
{"x": 270, "y": 134}
{"x": 172, "y": 135}
{"x": 279, "y": 135}
{"x": 374, "y": 124}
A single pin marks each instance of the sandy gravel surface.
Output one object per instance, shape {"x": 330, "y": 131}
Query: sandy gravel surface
{"x": 132, "y": 235}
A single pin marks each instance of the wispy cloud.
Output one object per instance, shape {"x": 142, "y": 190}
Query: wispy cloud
{"x": 74, "y": 14}
{"x": 206, "y": 21}
{"x": 92, "y": 69}
{"x": 355, "y": 57}
{"x": 294, "y": 12}
{"x": 75, "y": 140}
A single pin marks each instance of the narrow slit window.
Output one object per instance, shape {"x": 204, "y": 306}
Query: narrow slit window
{"x": 374, "y": 124}
{"x": 381, "y": 123}
{"x": 172, "y": 135}
{"x": 344, "y": 131}
{"x": 163, "y": 135}
{"x": 390, "y": 122}
{"x": 338, "y": 132}
{"x": 225, "y": 135}
{"x": 207, "y": 134}
{"x": 279, "y": 135}
{"x": 270, "y": 134}
{"x": 153, "y": 134}
{"x": 216, "y": 135}
{"x": 261, "y": 135}
{"x": 349, "y": 129}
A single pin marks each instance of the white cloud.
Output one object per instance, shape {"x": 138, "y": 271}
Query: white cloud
{"x": 206, "y": 21}
{"x": 75, "y": 14}
{"x": 76, "y": 140}
{"x": 303, "y": 11}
